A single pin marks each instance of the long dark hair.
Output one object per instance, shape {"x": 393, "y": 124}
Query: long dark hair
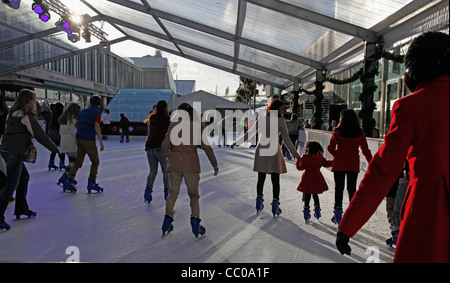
{"x": 23, "y": 100}
{"x": 274, "y": 105}
{"x": 349, "y": 125}
{"x": 70, "y": 114}
{"x": 161, "y": 111}
{"x": 427, "y": 58}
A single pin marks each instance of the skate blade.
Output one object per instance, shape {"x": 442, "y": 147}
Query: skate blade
{"x": 200, "y": 236}
{"x": 22, "y": 219}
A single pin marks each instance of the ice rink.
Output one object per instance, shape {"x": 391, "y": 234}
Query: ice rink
{"x": 117, "y": 226}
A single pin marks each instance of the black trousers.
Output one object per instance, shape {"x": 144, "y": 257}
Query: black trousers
{"x": 339, "y": 181}
{"x": 275, "y": 177}
{"x": 308, "y": 199}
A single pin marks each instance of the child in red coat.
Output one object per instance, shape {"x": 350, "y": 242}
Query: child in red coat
{"x": 312, "y": 183}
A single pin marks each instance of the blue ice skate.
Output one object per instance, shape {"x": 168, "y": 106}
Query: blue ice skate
{"x": 259, "y": 204}
{"x": 167, "y": 226}
{"x": 317, "y": 213}
{"x": 93, "y": 186}
{"x": 276, "y": 210}
{"x": 166, "y": 193}
{"x": 148, "y": 195}
{"x": 68, "y": 184}
{"x": 306, "y": 215}
{"x": 4, "y": 226}
{"x": 29, "y": 214}
{"x": 62, "y": 166}
{"x": 337, "y": 216}
{"x": 52, "y": 166}
{"x": 393, "y": 240}
{"x": 197, "y": 229}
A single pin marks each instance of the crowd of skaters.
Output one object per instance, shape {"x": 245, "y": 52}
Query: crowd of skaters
{"x": 418, "y": 134}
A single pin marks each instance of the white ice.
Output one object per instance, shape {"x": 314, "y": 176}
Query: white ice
{"x": 117, "y": 226}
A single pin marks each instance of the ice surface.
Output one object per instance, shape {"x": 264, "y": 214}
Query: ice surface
{"x": 117, "y": 226}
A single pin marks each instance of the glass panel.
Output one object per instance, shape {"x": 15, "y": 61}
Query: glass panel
{"x": 147, "y": 38}
{"x": 129, "y": 15}
{"x": 271, "y": 61}
{"x": 364, "y": 13}
{"x": 199, "y": 38}
{"x": 258, "y": 74}
{"x": 290, "y": 34}
{"x": 207, "y": 58}
{"x": 221, "y": 14}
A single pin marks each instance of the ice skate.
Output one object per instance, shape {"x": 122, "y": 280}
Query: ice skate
{"x": 62, "y": 166}
{"x": 337, "y": 216}
{"x": 93, "y": 186}
{"x": 52, "y": 166}
{"x": 29, "y": 214}
{"x": 67, "y": 183}
{"x": 166, "y": 194}
{"x": 148, "y": 195}
{"x": 259, "y": 204}
{"x": 197, "y": 229}
{"x": 276, "y": 210}
{"x": 167, "y": 226}
{"x": 306, "y": 215}
{"x": 317, "y": 213}
{"x": 4, "y": 226}
{"x": 393, "y": 240}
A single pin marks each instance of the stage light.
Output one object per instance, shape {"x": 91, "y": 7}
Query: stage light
{"x": 42, "y": 10}
{"x": 73, "y": 34}
{"x": 15, "y": 4}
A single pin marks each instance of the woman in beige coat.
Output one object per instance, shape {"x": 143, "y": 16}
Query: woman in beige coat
{"x": 184, "y": 164}
{"x": 271, "y": 163}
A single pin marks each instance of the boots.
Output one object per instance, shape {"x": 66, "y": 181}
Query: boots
{"x": 51, "y": 165}
{"x": 197, "y": 229}
{"x": 167, "y": 226}
{"x": 148, "y": 195}
{"x": 93, "y": 186}
{"x": 276, "y": 210}
{"x": 306, "y": 214}
{"x": 317, "y": 213}
{"x": 337, "y": 216}
{"x": 259, "y": 204}
{"x": 62, "y": 166}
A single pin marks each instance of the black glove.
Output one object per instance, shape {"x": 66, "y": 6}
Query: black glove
{"x": 342, "y": 243}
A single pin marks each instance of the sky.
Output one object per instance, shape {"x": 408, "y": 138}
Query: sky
{"x": 207, "y": 78}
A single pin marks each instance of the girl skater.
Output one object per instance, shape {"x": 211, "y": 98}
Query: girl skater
{"x": 312, "y": 182}
{"x": 67, "y": 131}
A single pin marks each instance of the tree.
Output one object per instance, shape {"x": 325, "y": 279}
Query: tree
{"x": 246, "y": 90}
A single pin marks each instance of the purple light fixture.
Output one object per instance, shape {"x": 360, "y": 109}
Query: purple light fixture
{"x": 40, "y": 9}
{"x": 15, "y": 4}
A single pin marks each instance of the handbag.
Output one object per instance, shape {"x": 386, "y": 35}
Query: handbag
{"x": 30, "y": 154}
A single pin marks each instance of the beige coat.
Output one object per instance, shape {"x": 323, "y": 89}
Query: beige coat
{"x": 184, "y": 158}
{"x": 275, "y": 162}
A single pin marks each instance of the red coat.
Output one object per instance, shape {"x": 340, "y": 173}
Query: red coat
{"x": 312, "y": 180}
{"x": 419, "y": 133}
{"x": 346, "y": 152}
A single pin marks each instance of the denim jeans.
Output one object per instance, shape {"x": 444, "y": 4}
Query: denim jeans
{"x": 155, "y": 156}
{"x": 16, "y": 180}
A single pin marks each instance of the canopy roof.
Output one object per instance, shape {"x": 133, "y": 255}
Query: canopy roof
{"x": 275, "y": 42}
{"x": 210, "y": 101}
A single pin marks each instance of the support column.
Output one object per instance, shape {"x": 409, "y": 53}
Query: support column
{"x": 318, "y": 93}
{"x": 368, "y": 87}
{"x": 295, "y": 106}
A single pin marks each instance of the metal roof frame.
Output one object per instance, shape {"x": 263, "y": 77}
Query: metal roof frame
{"x": 396, "y": 26}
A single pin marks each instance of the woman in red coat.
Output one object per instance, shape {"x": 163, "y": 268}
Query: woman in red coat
{"x": 419, "y": 132}
{"x": 344, "y": 145}
{"x": 312, "y": 183}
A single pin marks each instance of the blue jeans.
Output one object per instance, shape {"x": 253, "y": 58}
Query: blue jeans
{"x": 155, "y": 156}
{"x": 16, "y": 180}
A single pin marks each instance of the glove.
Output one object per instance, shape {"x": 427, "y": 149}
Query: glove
{"x": 216, "y": 171}
{"x": 342, "y": 243}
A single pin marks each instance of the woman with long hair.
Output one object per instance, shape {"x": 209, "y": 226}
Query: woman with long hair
{"x": 344, "y": 145}
{"x": 158, "y": 122}
{"x": 21, "y": 127}
{"x": 272, "y": 164}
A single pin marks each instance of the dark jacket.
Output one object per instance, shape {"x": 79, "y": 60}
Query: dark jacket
{"x": 157, "y": 129}
{"x": 17, "y": 137}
